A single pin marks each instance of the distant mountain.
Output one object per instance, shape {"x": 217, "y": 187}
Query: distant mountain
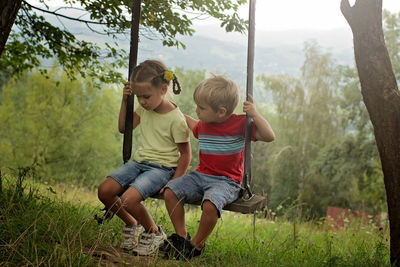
{"x": 276, "y": 52}
{"x": 214, "y": 50}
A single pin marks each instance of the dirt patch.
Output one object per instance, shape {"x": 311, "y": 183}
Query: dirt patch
{"x": 113, "y": 256}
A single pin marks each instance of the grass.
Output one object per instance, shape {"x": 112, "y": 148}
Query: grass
{"x": 53, "y": 225}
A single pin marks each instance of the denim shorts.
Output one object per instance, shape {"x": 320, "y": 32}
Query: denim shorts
{"x": 195, "y": 186}
{"x": 148, "y": 178}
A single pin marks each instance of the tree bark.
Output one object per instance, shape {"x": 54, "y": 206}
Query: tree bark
{"x": 8, "y": 10}
{"x": 382, "y": 99}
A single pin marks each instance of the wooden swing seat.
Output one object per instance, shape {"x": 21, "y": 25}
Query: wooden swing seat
{"x": 244, "y": 206}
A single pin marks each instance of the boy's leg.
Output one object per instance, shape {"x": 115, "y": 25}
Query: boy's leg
{"x": 208, "y": 220}
{"x": 218, "y": 192}
{"x": 176, "y": 212}
{"x": 108, "y": 194}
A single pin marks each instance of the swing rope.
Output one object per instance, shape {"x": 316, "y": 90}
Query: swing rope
{"x": 247, "y": 194}
{"x": 133, "y": 54}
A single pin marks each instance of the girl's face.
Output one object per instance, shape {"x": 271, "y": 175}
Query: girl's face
{"x": 149, "y": 97}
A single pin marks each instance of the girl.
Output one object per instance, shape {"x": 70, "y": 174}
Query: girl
{"x": 164, "y": 155}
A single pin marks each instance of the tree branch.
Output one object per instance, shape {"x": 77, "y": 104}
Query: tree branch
{"x": 64, "y": 16}
{"x": 346, "y": 10}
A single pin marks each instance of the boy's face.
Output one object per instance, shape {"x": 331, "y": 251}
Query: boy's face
{"x": 205, "y": 113}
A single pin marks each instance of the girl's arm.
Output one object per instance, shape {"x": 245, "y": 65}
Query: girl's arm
{"x": 184, "y": 159}
{"x": 122, "y": 112}
{"x": 183, "y": 162}
{"x": 190, "y": 122}
{"x": 264, "y": 131}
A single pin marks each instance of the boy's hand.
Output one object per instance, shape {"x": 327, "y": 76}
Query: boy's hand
{"x": 249, "y": 107}
{"x": 127, "y": 91}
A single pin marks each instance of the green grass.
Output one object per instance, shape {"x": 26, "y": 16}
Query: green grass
{"x": 52, "y": 225}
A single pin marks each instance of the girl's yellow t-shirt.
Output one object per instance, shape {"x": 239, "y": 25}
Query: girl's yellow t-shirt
{"x": 160, "y": 134}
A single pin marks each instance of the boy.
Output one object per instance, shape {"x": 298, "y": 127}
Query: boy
{"x": 216, "y": 181}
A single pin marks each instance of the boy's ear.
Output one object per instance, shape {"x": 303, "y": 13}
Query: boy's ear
{"x": 222, "y": 112}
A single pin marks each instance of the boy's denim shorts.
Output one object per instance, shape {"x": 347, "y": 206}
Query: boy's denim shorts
{"x": 148, "y": 178}
{"x": 195, "y": 186}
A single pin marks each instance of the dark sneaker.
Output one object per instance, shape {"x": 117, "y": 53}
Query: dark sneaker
{"x": 174, "y": 246}
{"x": 196, "y": 252}
{"x": 190, "y": 251}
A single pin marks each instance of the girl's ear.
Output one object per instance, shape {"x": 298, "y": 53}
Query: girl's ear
{"x": 164, "y": 88}
{"x": 221, "y": 112}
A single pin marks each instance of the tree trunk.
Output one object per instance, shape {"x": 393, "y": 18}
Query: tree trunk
{"x": 382, "y": 99}
{"x": 8, "y": 10}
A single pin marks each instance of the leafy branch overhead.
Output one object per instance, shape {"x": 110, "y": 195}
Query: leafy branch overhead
{"x": 35, "y": 36}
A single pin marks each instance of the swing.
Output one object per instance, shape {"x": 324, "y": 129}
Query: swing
{"x": 247, "y": 202}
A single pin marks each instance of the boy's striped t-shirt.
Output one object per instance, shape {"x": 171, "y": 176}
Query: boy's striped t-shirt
{"x": 222, "y": 147}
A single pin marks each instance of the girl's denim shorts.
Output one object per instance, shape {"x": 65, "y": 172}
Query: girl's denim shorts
{"x": 148, "y": 178}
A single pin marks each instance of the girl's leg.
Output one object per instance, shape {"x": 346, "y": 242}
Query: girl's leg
{"x": 176, "y": 212}
{"x": 208, "y": 220}
{"x": 132, "y": 203}
{"x": 108, "y": 194}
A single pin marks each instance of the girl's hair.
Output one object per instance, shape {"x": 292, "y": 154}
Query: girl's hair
{"x": 153, "y": 71}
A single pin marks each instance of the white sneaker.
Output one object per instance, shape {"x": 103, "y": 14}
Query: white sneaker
{"x": 131, "y": 236}
{"x": 150, "y": 242}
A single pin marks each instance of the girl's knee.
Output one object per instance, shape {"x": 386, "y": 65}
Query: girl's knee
{"x": 103, "y": 192}
{"x": 131, "y": 197}
{"x": 108, "y": 189}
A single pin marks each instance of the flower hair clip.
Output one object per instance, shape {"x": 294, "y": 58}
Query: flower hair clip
{"x": 168, "y": 76}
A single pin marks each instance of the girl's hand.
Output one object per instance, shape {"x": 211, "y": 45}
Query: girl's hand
{"x": 249, "y": 107}
{"x": 161, "y": 191}
{"x": 127, "y": 91}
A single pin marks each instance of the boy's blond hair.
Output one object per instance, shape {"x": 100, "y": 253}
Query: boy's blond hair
{"x": 217, "y": 92}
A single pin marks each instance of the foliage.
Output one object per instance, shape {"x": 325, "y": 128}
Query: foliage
{"x": 189, "y": 79}
{"x": 392, "y": 39}
{"x": 36, "y": 37}
{"x": 346, "y": 174}
{"x": 62, "y": 129}
{"x": 306, "y": 109}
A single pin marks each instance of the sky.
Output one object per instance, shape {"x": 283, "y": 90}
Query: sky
{"x": 284, "y": 15}
{"x": 281, "y": 15}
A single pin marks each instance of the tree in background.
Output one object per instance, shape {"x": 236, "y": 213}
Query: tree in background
{"x": 34, "y": 37}
{"x": 382, "y": 99}
{"x": 62, "y": 129}
{"x": 392, "y": 39}
{"x": 306, "y": 110}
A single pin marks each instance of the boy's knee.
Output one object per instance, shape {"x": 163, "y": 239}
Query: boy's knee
{"x": 209, "y": 208}
{"x": 169, "y": 194}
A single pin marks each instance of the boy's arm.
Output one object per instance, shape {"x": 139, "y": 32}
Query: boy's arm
{"x": 190, "y": 122}
{"x": 264, "y": 131}
{"x": 122, "y": 112}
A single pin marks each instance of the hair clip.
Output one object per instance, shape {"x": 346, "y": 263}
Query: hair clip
{"x": 168, "y": 76}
